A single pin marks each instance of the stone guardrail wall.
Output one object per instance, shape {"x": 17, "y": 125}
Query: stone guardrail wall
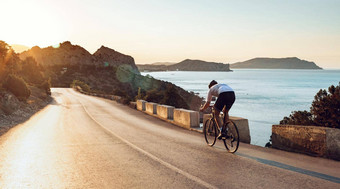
{"x": 187, "y": 118}
{"x": 311, "y": 140}
{"x": 181, "y": 117}
{"x": 242, "y": 126}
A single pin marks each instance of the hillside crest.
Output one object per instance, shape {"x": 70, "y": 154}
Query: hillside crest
{"x": 69, "y": 54}
{"x": 276, "y": 63}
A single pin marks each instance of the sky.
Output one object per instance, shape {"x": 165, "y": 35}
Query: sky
{"x": 173, "y": 30}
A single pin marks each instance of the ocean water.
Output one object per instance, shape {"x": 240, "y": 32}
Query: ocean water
{"x": 263, "y": 96}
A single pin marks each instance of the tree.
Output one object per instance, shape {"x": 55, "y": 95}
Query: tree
{"x": 325, "y": 110}
{"x": 9, "y": 61}
{"x": 326, "y": 107}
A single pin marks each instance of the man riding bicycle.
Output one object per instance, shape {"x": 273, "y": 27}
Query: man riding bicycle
{"x": 225, "y": 99}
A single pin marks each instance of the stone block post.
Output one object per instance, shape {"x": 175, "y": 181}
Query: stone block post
{"x": 186, "y": 118}
{"x": 165, "y": 112}
{"x": 141, "y": 105}
{"x": 150, "y": 108}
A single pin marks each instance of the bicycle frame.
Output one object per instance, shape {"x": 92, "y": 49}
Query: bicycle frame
{"x": 213, "y": 117}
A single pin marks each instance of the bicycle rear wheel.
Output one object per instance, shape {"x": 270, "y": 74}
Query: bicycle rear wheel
{"x": 210, "y": 132}
{"x": 232, "y": 137}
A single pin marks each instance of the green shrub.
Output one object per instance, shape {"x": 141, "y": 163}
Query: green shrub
{"x": 31, "y": 71}
{"x": 140, "y": 94}
{"x": 298, "y": 118}
{"x": 169, "y": 96}
{"x": 325, "y": 110}
{"x": 46, "y": 85}
{"x": 154, "y": 96}
{"x": 17, "y": 86}
{"x": 172, "y": 98}
{"x": 82, "y": 85}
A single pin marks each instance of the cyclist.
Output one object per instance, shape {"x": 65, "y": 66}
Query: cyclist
{"x": 225, "y": 99}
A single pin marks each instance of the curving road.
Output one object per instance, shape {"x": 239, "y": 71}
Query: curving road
{"x": 80, "y": 141}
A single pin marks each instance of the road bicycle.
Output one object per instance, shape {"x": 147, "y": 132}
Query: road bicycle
{"x": 211, "y": 131}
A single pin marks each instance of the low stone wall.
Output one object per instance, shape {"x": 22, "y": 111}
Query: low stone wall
{"x": 186, "y": 118}
{"x": 311, "y": 140}
{"x": 150, "y": 108}
{"x": 242, "y": 126}
{"x": 165, "y": 112}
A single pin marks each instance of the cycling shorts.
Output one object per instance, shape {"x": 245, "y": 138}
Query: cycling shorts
{"x": 225, "y": 99}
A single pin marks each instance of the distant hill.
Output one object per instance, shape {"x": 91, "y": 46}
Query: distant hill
{"x": 276, "y": 63}
{"x": 163, "y": 63}
{"x": 186, "y": 65}
{"x": 19, "y": 48}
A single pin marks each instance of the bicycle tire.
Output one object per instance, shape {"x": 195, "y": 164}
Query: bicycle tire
{"x": 232, "y": 137}
{"x": 210, "y": 132}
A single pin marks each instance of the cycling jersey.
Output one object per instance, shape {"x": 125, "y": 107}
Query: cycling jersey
{"x": 217, "y": 89}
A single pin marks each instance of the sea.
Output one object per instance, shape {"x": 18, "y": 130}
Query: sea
{"x": 263, "y": 96}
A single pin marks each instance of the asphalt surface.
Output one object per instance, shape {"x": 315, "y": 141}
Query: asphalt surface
{"x": 80, "y": 141}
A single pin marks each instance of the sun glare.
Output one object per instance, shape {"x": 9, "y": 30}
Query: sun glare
{"x": 32, "y": 24}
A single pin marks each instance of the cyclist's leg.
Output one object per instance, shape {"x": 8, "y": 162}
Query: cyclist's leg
{"x": 218, "y": 107}
{"x": 229, "y": 103}
{"x": 217, "y": 118}
{"x": 226, "y": 114}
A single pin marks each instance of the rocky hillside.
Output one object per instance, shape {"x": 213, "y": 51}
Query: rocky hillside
{"x": 74, "y": 55}
{"x": 276, "y": 63}
{"x": 187, "y": 65}
{"x": 107, "y": 71}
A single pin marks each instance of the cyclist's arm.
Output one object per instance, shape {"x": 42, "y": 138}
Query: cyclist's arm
{"x": 207, "y": 104}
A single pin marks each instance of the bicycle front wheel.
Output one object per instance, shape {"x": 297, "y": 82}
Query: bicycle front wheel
{"x": 232, "y": 137}
{"x": 210, "y": 132}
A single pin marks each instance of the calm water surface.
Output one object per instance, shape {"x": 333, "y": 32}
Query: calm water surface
{"x": 263, "y": 97}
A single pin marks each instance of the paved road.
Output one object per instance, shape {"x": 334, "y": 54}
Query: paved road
{"x": 86, "y": 142}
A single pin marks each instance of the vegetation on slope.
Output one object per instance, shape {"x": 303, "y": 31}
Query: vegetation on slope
{"x": 18, "y": 78}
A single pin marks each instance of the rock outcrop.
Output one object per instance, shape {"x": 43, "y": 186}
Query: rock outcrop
{"x": 8, "y": 102}
{"x": 106, "y": 56}
{"x": 276, "y": 63}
